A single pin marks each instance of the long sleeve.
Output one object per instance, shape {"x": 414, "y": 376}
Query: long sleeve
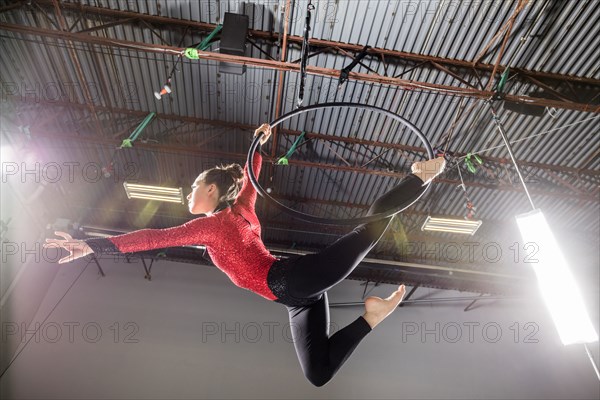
{"x": 247, "y": 196}
{"x": 232, "y": 238}
{"x": 197, "y": 231}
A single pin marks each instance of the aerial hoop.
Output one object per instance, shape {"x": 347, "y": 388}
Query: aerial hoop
{"x": 333, "y": 221}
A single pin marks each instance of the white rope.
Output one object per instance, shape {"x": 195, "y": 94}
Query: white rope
{"x": 532, "y": 136}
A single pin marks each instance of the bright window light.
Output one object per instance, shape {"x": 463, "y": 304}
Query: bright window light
{"x": 453, "y": 225}
{"x": 148, "y": 192}
{"x": 556, "y": 282}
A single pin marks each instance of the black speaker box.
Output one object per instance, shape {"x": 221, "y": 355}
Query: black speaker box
{"x": 233, "y": 41}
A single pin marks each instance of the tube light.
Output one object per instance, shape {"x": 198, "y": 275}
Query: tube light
{"x": 451, "y": 230}
{"x": 156, "y": 189}
{"x": 556, "y": 282}
{"x": 149, "y": 192}
{"x": 157, "y": 198}
{"x": 453, "y": 225}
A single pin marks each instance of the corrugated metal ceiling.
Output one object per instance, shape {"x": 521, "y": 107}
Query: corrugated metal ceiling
{"x": 547, "y": 36}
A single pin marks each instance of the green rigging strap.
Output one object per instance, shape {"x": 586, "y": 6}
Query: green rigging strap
{"x": 469, "y": 163}
{"x": 136, "y": 132}
{"x": 192, "y": 52}
{"x": 284, "y": 160}
{"x": 206, "y": 42}
{"x": 503, "y": 78}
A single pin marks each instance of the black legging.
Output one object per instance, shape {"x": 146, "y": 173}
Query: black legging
{"x": 301, "y": 284}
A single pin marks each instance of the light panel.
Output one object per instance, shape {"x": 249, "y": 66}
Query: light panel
{"x": 149, "y": 192}
{"x": 452, "y": 225}
{"x": 556, "y": 282}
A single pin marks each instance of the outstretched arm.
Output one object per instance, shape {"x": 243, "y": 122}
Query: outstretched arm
{"x": 197, "y": 231}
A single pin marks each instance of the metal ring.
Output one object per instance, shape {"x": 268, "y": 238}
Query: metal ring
{"x": 333, "y": 221}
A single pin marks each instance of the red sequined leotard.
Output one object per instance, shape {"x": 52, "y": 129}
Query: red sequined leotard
{"x": 231, "y": 236}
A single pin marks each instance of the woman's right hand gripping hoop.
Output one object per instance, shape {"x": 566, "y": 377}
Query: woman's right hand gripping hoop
{"x": 265, "y": 130}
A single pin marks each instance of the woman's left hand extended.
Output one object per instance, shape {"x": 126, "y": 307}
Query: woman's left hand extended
{"x": 76, "y": 248}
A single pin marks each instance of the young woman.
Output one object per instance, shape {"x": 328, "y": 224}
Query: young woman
{"x": 231, "y": 232}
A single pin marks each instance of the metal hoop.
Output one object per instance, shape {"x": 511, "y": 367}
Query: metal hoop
{"x": 332, "y": 221}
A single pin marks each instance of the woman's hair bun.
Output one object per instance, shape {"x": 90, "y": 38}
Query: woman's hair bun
{"x": 228, "y": 179}
{"x": 235, "y": 170}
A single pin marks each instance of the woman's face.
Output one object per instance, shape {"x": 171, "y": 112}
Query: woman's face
{"x": 203, "y": 199}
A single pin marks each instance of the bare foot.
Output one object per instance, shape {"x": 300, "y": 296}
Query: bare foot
{"x": 427, "y": 170}
{"x": 377, "y": 309}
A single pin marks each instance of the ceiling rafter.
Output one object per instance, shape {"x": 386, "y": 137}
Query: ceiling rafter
{"x": 78, "y": 70}
{"x": 308, "y": 164}
{"x": 284, "y": 66}
{"x": 590, "y": 175}
{"x": 505, "y": 28}
{"x": 520, "y": 5}
{"x": 273, "y": 36}
{"x": 109, "y": 25}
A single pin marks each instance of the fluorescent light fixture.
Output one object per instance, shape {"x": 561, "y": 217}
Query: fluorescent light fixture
{"x": 556, "y": 282}
{"x": 148, "y": 192}
{"x": 98, "y": 234}
{"x": 453, "y": 225}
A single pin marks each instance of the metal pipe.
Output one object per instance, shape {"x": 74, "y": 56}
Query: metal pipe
{"x": 508, "y": 147}
{"x": 438, "y": 300}
{"x": 280, "y": 83}
{"x": 592, "y": 360}
{"x": 402, "y": 264}
{"x": 305, "y": 50}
